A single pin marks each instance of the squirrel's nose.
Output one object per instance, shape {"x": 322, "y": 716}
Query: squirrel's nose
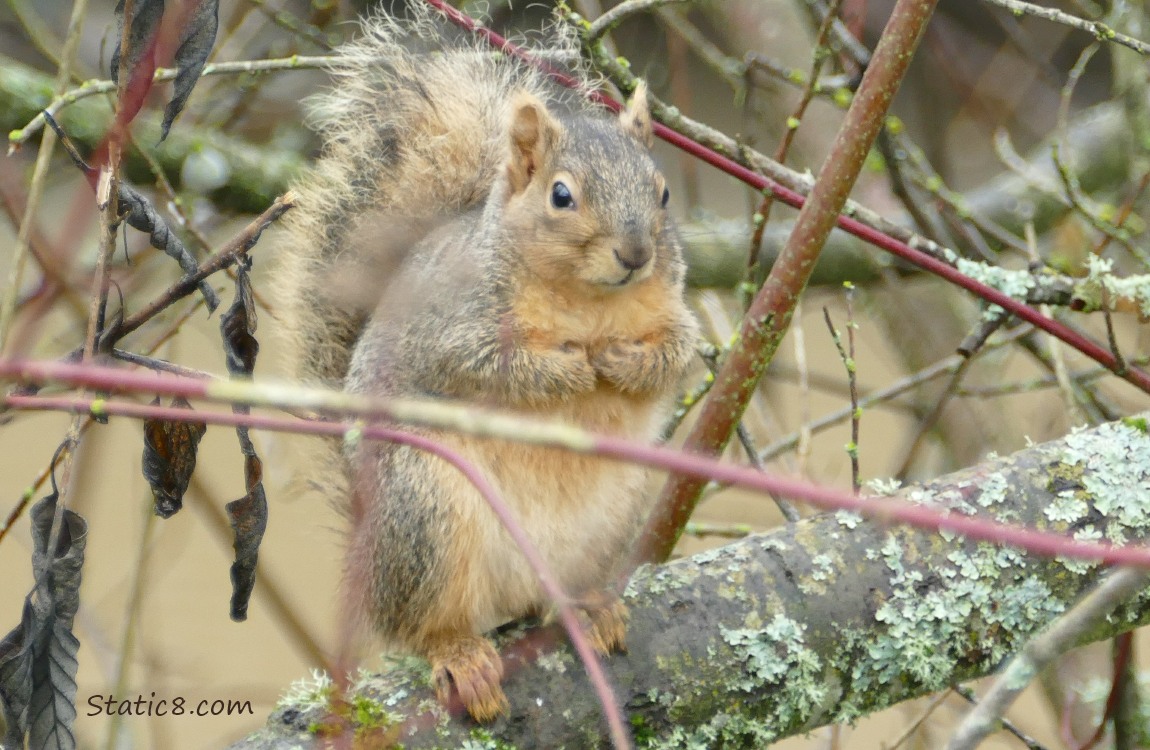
{"x": 633, "y": 256}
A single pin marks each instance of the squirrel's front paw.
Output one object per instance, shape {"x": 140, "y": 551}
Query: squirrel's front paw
{"x": 578, "y": 375}
{"x": 474, "y": 666}
{"x": 632, "y": 366}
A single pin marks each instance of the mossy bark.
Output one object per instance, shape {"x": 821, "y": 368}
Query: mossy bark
{"x": 256, "y": 175}
{"x": 820, "y": 621}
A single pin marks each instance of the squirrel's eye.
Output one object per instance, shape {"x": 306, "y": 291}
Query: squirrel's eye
{"x": 561, "y": 196}
{"x": 666, "y": 196}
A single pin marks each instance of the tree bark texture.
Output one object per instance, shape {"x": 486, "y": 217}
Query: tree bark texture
{"x": 821, "y": 621}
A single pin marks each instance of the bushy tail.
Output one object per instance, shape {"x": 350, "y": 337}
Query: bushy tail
{"x": 414, "y": 129}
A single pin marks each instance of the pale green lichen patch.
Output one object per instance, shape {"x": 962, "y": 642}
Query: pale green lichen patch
{"x": 1131, "y": 290}
{"x": 770, "y": 543}
{"x": 773, "y": 658}
{"x": 733, "y": 587}
{"x": 930, "y": 614}
{"x": 1068, "y": 508}
{"x": 879, "y": 486}
{"x": 309, "y": 692}
{"x": 556, "y": 661}
{"x": 993, "y": 490}
{"x": 823, "y": 567}
{"x": 664, "y": 579}
{"x": 1116, "y": 472}
{"x": 848, "y": 519}
{"x": 820, "y": 575}
{"x": 481, "y": 739}
{"x": 1087, "y": 533}
{"x": 1015, "y": 283}
{"x": 1011, "y": 282}
{"x": 776, "y": 657}
{"x": 722, "y": 730}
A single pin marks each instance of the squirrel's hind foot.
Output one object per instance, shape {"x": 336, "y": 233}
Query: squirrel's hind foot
{"x": 607, "y": 617}
{"x": 474, "y": 666}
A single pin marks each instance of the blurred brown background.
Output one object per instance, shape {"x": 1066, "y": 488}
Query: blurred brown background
{"x": 154, "y": 614}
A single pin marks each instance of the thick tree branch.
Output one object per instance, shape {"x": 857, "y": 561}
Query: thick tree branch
{"x": 822, "y": 621}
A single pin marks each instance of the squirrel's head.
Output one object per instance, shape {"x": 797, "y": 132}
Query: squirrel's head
{"x": 583, "y": 197}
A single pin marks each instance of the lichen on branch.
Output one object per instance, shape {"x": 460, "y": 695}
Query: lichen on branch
{"x": 823, "y": 621}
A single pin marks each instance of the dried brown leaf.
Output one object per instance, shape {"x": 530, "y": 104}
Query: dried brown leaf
{"x": 169, "y": 459}
{"x": 249, "y": 520}
{"x": 38, "y": 657}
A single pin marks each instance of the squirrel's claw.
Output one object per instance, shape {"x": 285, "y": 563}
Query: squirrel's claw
{"x": 609, "y": 628}
{"x": 474, "y": 666}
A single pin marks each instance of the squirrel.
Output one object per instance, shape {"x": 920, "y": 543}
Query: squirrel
{"x": 475, "y": 231}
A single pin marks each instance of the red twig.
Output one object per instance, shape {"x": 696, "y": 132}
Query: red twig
{"x": 886, "y": 510}
{"x": 1124, "y": 643}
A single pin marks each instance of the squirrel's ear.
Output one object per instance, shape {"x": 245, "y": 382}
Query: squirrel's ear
{"x": 636, "y": 117}
{"x": 534, "y": 133}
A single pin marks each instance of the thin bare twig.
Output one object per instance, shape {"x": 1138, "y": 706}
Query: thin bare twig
{"x": 39, "y": 172}
{"x": 968, "y": 695}
{"x": 818, "y": 59}
{"x": 730, "y": 531}
{"x": 918, "y": 722}
{"x": 1111, "y": 337}
{"x": 910, "y": 382}
{"x": 927, "y": 423}
{"x": 1099, "y": 30}
{"x": 854, "y": 49}
{"x": 224, "y": 257}
{"x": 294, "y": 25}
{"x": 786, "y": 508}
{"x": 1057, "y": 354}
{"x": 847, "y": 355}
{"x": 1123, "y": 645}
{"x": 624, "y": 10}
{"x": 1072, "y": 189}
{"x": 1124, "y": 212}
{"x": 803, "y": 449}
{"x": 93, "y": 88}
